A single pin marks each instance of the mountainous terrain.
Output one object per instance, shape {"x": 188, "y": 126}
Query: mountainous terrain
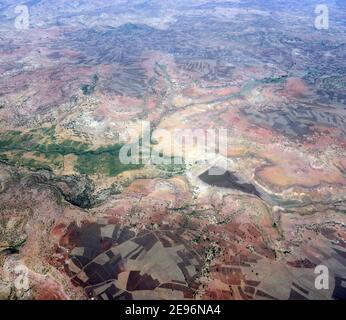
{"x": 77, "y": 81}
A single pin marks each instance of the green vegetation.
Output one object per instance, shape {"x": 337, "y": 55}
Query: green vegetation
{"x": 48, "y": 154}
{"x": 39, "y": 149}
{"x": 274, "y": 79}
{"x": 176, "y": 165}
{"x": 104, "y": 160}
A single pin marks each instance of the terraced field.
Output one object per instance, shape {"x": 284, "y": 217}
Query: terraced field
{"x": 87, "y": 80}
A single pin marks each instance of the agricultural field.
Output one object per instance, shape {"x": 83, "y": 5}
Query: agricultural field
{"x": 109, "y": 188}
